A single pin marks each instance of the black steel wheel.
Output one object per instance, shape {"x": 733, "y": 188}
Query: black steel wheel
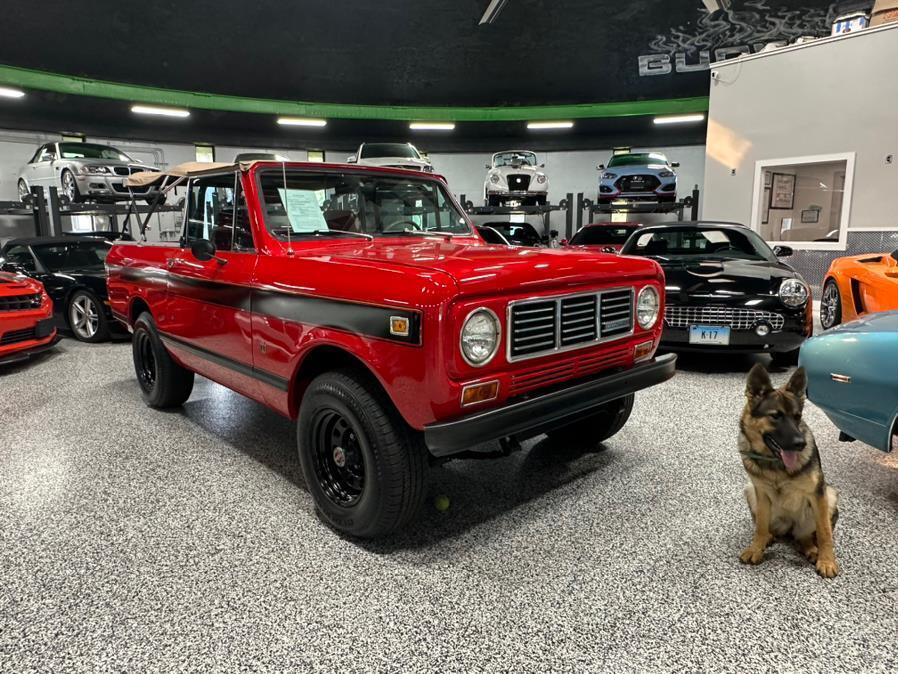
{"x": 598, "y": 425}
{"x": 163, "y": 382}
{"x": 830, "y": 305}
{"x": 364, "y": 467}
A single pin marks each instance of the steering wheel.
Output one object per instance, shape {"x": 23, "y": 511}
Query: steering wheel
{"x": 399, "y": 226}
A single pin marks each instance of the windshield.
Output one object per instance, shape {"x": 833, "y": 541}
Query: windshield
{"x": 517, "y": 233}
{"x": 681, "y": 243}
{"x": 63, "y": 257}
{"x": 514, "y": 159}
{"x": 312, "y": 204}
{"x": 637, "y": 159}
{"x": 89, "y": 151}
{"x": 595, "y": 236}
{"x": 375, "y": 150}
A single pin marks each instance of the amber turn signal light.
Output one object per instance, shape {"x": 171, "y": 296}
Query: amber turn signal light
{"x": 399, "y": 326}
{"x": 479, "y": 393}
{"x": 643, "y": 351}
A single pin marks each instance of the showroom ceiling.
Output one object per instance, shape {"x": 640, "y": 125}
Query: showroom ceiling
{"x": 402, "y": 56}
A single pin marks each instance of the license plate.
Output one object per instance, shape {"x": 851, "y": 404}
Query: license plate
{"x": 709, "y": 334}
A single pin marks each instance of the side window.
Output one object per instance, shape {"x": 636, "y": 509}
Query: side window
{"x": 243, "y": 235}
{"x": 48, "y": 153}
{"x": 210, "y": 211}
{"x": 21, "y": 256}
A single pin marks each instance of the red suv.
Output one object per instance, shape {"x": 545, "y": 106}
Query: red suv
{"x": 361, "y": 302}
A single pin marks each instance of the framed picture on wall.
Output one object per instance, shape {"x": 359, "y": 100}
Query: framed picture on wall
{"x": 765, "y": 206}
{"x": 783, "y": 191}
{"x": 810, "y": 215}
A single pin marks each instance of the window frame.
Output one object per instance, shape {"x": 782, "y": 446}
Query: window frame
{"x": 847, "y": 193}
{"x": 238, "y": 185}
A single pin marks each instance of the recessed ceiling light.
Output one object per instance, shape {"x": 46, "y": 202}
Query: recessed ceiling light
{"x": 301, "y": 121}
{"x": 431, "y": 126}
{"x": 163, "y": 112}
{"x": 8, "y": 92}
{"x": 550, "y": 125}
{"x": 679, "y": 119}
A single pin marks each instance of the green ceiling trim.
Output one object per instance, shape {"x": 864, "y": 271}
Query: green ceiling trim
{"x": 82, "y": 86}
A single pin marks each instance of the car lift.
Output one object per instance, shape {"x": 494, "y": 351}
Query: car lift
{"x": 678, "y": 207}
{"x": 545, "y": 211}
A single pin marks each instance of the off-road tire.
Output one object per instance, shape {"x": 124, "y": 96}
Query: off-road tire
{"x": 170, "y": 384}
{"x": 394, "y": 457}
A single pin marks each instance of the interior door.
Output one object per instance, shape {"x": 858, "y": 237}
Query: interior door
{"x": 208, "y": 320}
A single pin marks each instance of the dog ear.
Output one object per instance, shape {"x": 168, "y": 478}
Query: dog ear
{"x": 798, "y": 383}
{"x": 758, "y": 383}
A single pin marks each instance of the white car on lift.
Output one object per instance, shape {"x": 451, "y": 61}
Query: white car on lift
{"x": 514, "y": 178}
{"x": 391, "y": 155}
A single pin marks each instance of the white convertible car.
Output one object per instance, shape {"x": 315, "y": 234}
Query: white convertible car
{"x": 391, "y": 155}
{"x": 514, "y": 179}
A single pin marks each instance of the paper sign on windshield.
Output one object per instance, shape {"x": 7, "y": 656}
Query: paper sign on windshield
{"x": 303, "y": 210}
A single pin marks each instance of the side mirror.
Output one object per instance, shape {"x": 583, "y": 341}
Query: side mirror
{"x": 565, "y": 242}
{"x": 782, "y": 251}
{"x": 180, "y": 202}
{"x": 204, "y": 250}
{"x": 553, "y": 233}
{"x": 675, "y": 164}
{"x": 608, "y": 249}
{"x": 11, "y": 267}
{"x": 487, "y": 166}
{"x": 600, "y": 167}
{"x": 351, "y": 159}
{"x": 543, "y": 165}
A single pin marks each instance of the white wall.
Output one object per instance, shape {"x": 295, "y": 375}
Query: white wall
{"x": 835, "y": 95}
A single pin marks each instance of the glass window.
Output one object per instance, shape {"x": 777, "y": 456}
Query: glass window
{"x": 638, "y": 159}
{"x": 375, "y": 150}
{"x": 597, "y": 236}
{"x": 205, "y": 153}
{"x": 21, "y": 256}
{"x": 517, "y": 233}
{"x": 700, "y": 242}
{"x": 801, "y": 202}
{"x": 210, "y": 210}
{"x": 243, "y": 235}
{"x": 316, "y": 155}
{"x": 81, "y": 255}
{"x": 91, "y": 151}
{"x": 47, "y": 153}
{"x": 303, "y": 204}
{"x": 514, "y": 159}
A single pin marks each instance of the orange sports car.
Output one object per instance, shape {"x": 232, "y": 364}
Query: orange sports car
{"x": 858, "y": 285}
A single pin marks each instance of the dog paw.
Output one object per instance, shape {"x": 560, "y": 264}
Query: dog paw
{"x": 810, "y": 553}
{"x": 751, "y": 556}
{"x": 828, "y": 568}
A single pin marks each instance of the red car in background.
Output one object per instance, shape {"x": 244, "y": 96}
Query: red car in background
{"x": 608, "y": 236}
{"x": 26, "y": 318}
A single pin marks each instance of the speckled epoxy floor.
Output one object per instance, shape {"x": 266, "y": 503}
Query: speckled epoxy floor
{"x": 134, "y": 540}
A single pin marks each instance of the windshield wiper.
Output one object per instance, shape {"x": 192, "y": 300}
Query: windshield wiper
{"x": 423, "y": 232}
{"x": 341, "y": 232}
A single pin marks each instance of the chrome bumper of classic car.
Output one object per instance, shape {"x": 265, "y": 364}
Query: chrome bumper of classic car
{"x": 537, "y": 414}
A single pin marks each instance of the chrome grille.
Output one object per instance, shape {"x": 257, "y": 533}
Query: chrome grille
{"x": 20, "y": 302}
{"x": 736, "y": 318}
{"x": 541, "y": 326}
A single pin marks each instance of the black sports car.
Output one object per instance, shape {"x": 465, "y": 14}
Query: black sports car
{"x": 73, "y": 272}
{"x": 515, "y": 234}
{"x": 727, "y": 290}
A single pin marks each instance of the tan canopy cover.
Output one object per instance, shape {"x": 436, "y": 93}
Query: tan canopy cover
{"x": 187, "y": 170}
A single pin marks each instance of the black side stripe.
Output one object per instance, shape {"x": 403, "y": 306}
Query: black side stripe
{"x": 353, "y": 317}
{"x": 261, "y": 375}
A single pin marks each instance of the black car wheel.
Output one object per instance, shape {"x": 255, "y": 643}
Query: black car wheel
{"x": 785, "y": 358}
{"x": 364, "y": 468}
{"x": 152, "y": 200}
{"x": 163, "y": 383}
{"x": 493, "y": 201}
{"x": 598, "y": 426}
{"x": 830, "y": 305}
{"x": 87, "y": 318}
{"x": 70, "y": 186}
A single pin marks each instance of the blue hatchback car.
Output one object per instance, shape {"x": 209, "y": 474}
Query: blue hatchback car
{"x": 638, "y": 176}
{"x": 853, "y": 377}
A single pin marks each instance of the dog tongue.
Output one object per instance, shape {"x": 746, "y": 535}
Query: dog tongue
{"x": 790, "y": 459}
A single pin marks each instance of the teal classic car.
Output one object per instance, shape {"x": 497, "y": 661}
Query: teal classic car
{"x": 853, "y": 377}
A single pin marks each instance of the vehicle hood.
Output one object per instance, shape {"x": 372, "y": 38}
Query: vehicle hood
{"x": 886, "y": 321}
{"x": 479, "y": 269}
{"x": 642, "y": 169}
{"x": 727, "y": 280}
{"x": 110, "y": 162}
{"x": 16, "y": 284}
{"x": 396, "y": 162}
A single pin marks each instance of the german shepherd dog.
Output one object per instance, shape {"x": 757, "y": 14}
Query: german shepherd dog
{"x": 787, "y": 493}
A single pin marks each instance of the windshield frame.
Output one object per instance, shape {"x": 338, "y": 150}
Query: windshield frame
{"x": 412, "y": 151}
{"x": 765, "y": 252}
{"x": 530, "y": 153}
{"x": 360, "y": 173}
{"x": 584, "y": 232}
{"x": 81, "y": 243}
{"x": 645, "y": 159}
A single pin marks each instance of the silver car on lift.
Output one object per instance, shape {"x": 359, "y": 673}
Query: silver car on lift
{"x": 514, "y": 178}
{"x": 83, "y": 171}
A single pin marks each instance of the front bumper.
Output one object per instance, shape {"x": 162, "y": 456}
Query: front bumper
{"x": 43, "y": 338}
{"x": 111, "y": 187}
{"x": 535, "y": 415}
{"x": 793, "y": 334}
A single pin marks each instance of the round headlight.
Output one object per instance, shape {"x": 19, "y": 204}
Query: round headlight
{"x": 494, "y": 178}
{"x": 794, "y": 293}
{"x": 541, "y": 178}
{"x": 480, "y": 337}
{"x": 647, "y": 306}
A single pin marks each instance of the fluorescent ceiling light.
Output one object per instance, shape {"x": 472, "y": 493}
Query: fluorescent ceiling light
{"x": 492, "y": 11}
{"x": 679, "y": 119}
{"x": 7, "y": 92}
{"x": 431, "y": 126}
{"x": 163, "y": 112}
{"x": 301, "y": 121}
{"x": 550, "y": 125}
